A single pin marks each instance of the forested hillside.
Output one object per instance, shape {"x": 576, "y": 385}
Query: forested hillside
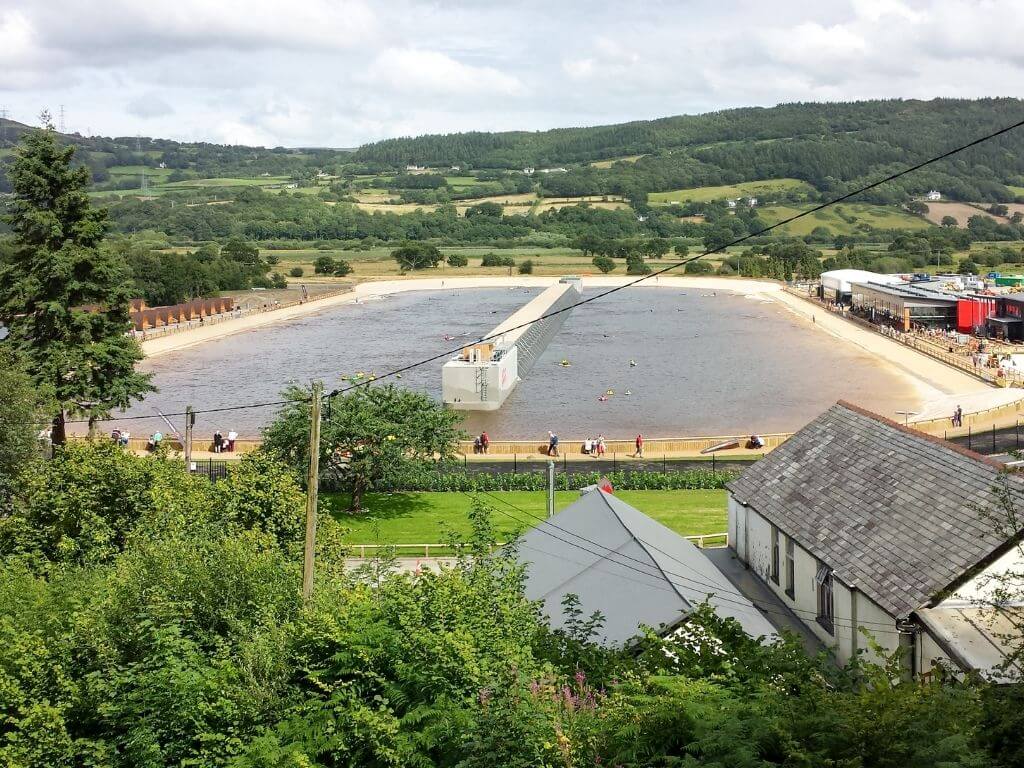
{"x": 832, "y": 146}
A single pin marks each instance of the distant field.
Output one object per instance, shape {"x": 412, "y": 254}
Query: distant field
{"x": 1018, "y": 191}
{"x": 462, "y": 181}
{"x": 845, "y": 219}
{"x": 744, "y": 189}
{"x": 959, "y": 211}
{"x": 396, "y": 207}
{"x": 156, "y": 174}
{"x": 260, "y": 181}
{"x": 609, "y": 163}
{"x": 377, "y": 262}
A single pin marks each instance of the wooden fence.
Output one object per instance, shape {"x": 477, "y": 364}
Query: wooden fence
{"x": 652, "y": 447}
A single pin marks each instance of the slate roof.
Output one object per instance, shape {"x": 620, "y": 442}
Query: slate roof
{"x": 898, "y": 514}
{"x": 627, "y": 566}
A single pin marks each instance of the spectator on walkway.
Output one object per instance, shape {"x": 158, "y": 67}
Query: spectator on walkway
{"x": 218, "y": 441}
{"x": 126, "y": 436}
{"x": 552, "y": 444}
{"x": 232, "y": 436}
{"x": 639, "y": 442}
{"x": 477, "y": 445}
{"x": 600, "y": 446}
{"x": 485, "y": 441}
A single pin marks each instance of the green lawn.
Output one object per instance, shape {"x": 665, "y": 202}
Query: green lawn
{"x": 744, "y": 189}
{"x": 1018, "y": 191}
{"x": 428, "y": 518}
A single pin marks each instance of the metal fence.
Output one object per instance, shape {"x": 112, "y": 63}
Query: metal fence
{"x": 213, "y": 469}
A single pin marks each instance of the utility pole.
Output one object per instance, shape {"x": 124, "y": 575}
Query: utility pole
{"x": 312, "y": 489}
{"x": 190, "y": 420}
{"x": 551, "y": 489}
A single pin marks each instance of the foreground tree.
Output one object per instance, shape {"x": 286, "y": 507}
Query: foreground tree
{"x": 373, "y": 436}
{"x": 64, "y": 299}
{"x": 22, "y": 407}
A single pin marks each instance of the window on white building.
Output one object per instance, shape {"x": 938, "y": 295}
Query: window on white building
{"x": 823, "y": 580}
{"x": 774, "y": 574}
{"x": 790, "y": 569}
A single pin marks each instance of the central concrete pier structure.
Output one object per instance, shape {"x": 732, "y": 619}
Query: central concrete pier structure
{"x": 483, "y": 375}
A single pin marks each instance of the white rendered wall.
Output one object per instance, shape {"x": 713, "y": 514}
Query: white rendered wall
{"x": 752, "y": 536}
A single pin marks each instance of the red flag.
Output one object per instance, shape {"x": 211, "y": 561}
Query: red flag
{"x": 605, "y": 486}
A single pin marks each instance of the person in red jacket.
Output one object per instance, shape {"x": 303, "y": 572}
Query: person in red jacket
{"x": 485, "y": 442}
{"x": 639, "y": 446}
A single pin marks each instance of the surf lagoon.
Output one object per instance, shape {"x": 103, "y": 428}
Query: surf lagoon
{"x": 706, "y": 362}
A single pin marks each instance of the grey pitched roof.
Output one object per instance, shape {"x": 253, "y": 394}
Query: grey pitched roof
{"x": 896, "y": 513}
{"x": 627, "y": 566}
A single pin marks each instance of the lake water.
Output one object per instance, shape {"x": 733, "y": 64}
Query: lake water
{"x": 706, "y": 364}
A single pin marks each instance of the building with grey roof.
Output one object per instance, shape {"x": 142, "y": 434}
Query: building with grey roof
{"x": 630, "y": 568}
{"x": 858, "y": 522}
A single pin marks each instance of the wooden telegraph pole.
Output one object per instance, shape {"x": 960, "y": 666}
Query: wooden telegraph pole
{"x": 312, "y": 489}
{"x": 190, "y": 420}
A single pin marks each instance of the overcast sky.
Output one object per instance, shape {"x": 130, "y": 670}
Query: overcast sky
{"x": 343, "y": 72}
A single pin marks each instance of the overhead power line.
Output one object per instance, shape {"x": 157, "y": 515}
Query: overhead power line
{"x": 669, "y": 268}
{"x": 610, "y": 291}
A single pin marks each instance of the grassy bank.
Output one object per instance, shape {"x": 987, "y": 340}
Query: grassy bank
{"x": 428, "y": 518}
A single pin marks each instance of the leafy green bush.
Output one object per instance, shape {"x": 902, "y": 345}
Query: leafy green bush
{"x": 496, "y": 260}
{"x": 698, "y": 267}
{"x": 457, "y": 260}
{"x": 630, "y": 480}
{"x": 296, "y": 272}
{"x": 342, "y": 267}
{"x": 604, "y": 263}
{"x": 526, "y": 267}
{"x": 324, "y": 265}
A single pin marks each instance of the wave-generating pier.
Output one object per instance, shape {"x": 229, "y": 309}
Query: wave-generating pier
{"x": 483, "y": 375}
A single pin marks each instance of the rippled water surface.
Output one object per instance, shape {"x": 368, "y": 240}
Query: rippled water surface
{"x": 706, "y": 364}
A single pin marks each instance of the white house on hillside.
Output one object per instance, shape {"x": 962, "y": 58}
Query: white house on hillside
{"x": 857, "y": 522}
{"x": 934, "y": 196}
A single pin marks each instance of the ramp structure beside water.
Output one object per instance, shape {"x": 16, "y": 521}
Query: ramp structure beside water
{"x": 483, "y": 375}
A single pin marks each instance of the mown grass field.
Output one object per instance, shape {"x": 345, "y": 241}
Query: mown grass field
{"x": 154, "y": 174}
{"x": 611, "y": 161}
{"x": 430, "y": 518}
{"x": 744, "y": 189}
{"x": 377, "y": 262}
{"x": 845, "y": 219}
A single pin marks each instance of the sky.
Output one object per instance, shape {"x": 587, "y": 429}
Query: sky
{"x": 340, "y": 73}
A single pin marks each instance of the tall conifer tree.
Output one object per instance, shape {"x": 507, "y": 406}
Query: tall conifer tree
{"x": 63, "y": 297}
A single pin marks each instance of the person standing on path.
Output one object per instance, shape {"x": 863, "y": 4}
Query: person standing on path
{"x": 552, "y": 444}
{"x": 485, "y": 441}
{"x": 639, "y": 442}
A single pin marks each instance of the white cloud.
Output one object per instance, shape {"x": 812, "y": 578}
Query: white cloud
{"x": 149, "y": 105}
{"x": 341, "y": 72}
{"x": 412, "y": 70}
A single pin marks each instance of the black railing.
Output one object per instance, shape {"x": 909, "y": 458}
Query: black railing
{"x": 214, "y": 469}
